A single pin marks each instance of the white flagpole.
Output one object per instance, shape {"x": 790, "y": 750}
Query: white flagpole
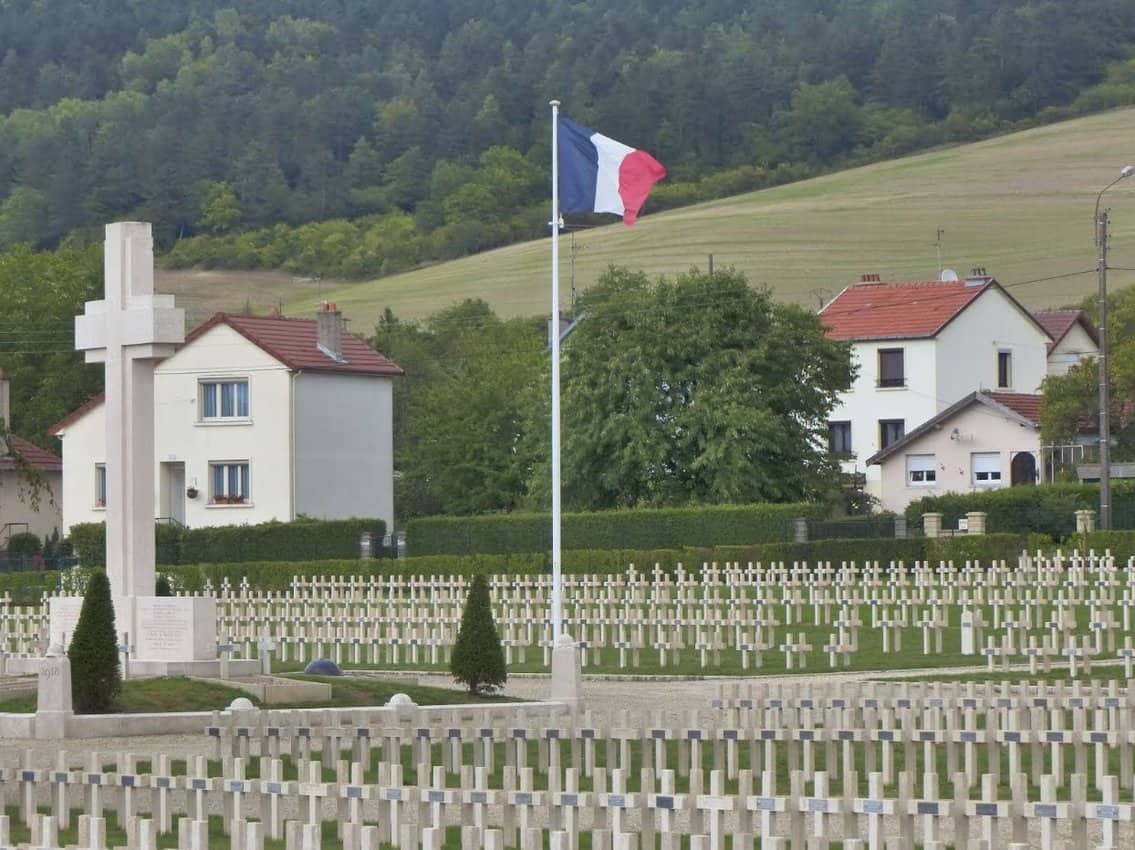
{"x": 557, "y": 578}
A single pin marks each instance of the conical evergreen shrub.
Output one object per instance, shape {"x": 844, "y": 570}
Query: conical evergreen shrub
{"x": 162, "y": 588}
{"x": 478, "y": 657}
{"x": 95, "y": 676}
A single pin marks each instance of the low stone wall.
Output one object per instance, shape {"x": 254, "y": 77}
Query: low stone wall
{"x": 86, "y": 726}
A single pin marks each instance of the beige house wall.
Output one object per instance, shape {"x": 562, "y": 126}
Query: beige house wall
{"x": 977, "y": 429}
{"x": 17, "y": 505}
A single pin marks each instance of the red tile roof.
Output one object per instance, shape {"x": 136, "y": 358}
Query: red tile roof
{"x": 1058, "y": 322}
{"x": 293, "y": 343}
{"x": 40, "y": 459}
{"x": 1023, "y": 404}
{"x": 898, "y": 310}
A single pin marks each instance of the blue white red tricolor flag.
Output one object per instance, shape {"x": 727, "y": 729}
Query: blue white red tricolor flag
{"x": 598, "y": 174}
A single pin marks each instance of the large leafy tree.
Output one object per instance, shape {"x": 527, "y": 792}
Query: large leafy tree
{"x": 695, "y": 389}
{"x": 462, "y": 409}
{"x": 40, "y": 294}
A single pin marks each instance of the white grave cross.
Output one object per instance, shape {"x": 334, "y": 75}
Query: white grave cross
{"x": 129, "y": 331}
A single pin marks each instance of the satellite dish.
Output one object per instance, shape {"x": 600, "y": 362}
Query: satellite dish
{"x": 948, "y": 276}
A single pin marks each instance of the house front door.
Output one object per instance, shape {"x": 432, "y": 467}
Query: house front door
{"x": 173, "y": 494}
{"x": 1022, "y": 469}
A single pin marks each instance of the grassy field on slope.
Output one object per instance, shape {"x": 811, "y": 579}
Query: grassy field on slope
{"x": 1019, "y": 205}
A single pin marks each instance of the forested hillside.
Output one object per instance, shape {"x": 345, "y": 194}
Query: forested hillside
{"x": 417, "y": 129}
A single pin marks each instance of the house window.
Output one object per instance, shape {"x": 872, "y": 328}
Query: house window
{"x": 891, "y": 369}
{"x": 986, "y": 468}
{"x": 839, "y": 438}
{"x": 891, "y": 431}
{"x": 224, "y": 399}
{"x": 921, "y": 470}
{"x": 100, "y": 485}
{"x": 1004, "y": 369}
{"x": 230, "y": 483}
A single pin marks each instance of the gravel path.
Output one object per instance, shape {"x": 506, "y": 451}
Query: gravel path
{"x": 672, "y": 696}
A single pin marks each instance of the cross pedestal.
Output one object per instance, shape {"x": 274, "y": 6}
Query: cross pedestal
{"x": 130, "y": 331}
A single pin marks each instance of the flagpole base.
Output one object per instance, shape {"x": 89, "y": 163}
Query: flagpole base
{"x": 567, "y": 675}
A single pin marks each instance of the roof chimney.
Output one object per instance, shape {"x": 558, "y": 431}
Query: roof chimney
{"x": 329, "y": 331}
{"x": 5, "y": 411}
{"x": 869, "y": 278}
{"x": 978, "y": 276}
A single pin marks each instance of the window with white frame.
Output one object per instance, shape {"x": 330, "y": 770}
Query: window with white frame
{"x": 1004, "y": 370}
{"x": 230, "y": 482}
{"x": 224, "y": 399}
{"x": 986, "y": 468}
{"x": 100, "y": 485}
{"x": 921, "y": 470}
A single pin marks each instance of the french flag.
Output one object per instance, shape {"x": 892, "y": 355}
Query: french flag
{"x": 598, "y": 174}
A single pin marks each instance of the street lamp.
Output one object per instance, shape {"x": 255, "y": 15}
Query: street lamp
{"x": 1105, "y": 424}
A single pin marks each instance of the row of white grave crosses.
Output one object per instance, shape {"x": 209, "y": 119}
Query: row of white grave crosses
{"x": 1075, "y": 610}
{"x": 813, "y": 765}
{"x": 741, "y": 613}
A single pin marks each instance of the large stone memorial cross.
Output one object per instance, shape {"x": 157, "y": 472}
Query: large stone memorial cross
{"x": 129, "y": 331}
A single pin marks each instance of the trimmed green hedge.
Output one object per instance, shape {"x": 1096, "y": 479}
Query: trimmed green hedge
{"x": 278, "y": 575}
{"x": 631, "y": 529}
{"x": 1044, "y": 509}
{"x": 27, "y": 588}
{"x": 302, "y": 540}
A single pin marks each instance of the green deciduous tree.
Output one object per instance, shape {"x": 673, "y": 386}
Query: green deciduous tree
{"x": 696, "y": 389}
{"x": 40, "y": 295}
{"x": 825, "y": 120}
{"x": 1071, "y": 401}
{"x": 23, "y": 217}
{"x": 95, "y": 674}
{"x": 478, "y": 657}
{"x": 462, "y": 411}
{"x": 220, "y": 210}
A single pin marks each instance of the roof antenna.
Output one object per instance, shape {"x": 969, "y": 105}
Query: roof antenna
{"x": 938, "y": 250}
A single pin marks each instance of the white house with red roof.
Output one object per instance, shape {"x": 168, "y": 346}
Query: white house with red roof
{"x": 1074, "y": 337}
{"x": 31, "y": 480}
{"x": 257, "y": 418}
{"x": 920, "y": 348}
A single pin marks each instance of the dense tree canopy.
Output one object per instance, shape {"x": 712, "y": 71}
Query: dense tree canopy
{"x": 460, "y": 412}
{"x": 695, "y": 390}
{"x": 427, "y": 120}
{"x": 40, "y": 294}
